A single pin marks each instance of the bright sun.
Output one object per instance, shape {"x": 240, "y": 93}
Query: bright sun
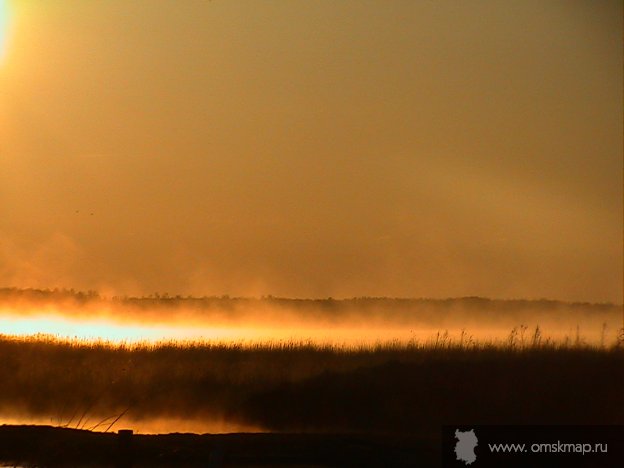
{"x": 4, "y": 26}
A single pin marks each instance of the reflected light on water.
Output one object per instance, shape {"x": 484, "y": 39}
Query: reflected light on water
{"x": 117, "y": 331}
{"x": 129, "y": 332}
{"x": 103, "y": 329}
{"x": 158, "y": 425}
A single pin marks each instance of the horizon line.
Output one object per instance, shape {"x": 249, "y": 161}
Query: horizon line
{"x": 171, "y": 296}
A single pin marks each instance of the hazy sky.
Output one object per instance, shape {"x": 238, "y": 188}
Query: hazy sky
{"x": 313, "y": 148}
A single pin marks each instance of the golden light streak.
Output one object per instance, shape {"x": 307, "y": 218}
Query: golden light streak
{"x": 116, "y": 332}
{"x": 155, "y": 425}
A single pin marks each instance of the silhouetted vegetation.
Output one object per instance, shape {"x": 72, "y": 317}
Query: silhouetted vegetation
{"x": 294, "y": 387}
{"x": 373, "y": 396}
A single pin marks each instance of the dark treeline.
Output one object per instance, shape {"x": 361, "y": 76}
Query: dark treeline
{"x": 156, "y": 300}
{"x": 441, "y": 314}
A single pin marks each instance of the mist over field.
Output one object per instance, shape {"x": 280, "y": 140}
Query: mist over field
{"x": 356, "y": 321}
{"x": 394, "y": 388}
{"x": 225, "y": 364}
{"x": 365, "y": 217}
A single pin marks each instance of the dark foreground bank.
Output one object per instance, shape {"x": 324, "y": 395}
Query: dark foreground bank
{"x": 46, "y": 446}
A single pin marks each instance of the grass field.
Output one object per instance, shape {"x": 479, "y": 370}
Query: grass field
{"x": 399, "y": 386}
{"x": 296, "y": 387}
{"x": 314, "y": 402}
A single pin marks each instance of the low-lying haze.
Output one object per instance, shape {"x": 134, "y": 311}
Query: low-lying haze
{"x": 68, "y": 315}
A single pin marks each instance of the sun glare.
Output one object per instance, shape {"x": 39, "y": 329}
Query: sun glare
{"x": 4, "y": 26}
{"x": 54, "y": 324}
{"x": 101, "y": 329}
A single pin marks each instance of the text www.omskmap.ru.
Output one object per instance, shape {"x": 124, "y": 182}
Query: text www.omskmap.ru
{"x": 557, "y": 447}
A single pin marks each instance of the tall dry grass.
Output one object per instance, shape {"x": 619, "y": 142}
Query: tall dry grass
{"x": 390, "y": 387}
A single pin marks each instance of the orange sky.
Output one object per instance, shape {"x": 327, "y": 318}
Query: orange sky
{"x": 313, "y": 148}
